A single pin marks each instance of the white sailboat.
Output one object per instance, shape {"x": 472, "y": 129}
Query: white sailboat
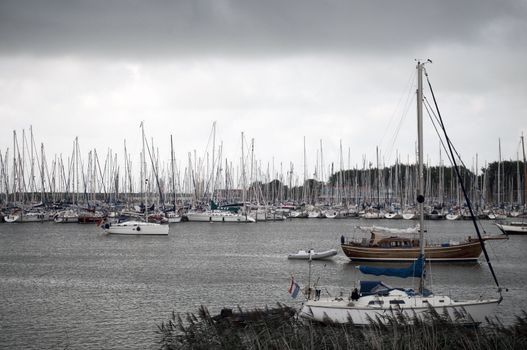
{"x": 66, "y": 216}
{"x": 513, "y": 228}
{"x": 218, "y": 216}
{"x": 136, "y": 227}
{"x": 133, "y": 227}
{"x": 376, "y": 300}
{"x": 19, "y": 217}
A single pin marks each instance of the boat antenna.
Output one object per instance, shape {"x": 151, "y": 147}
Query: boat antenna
{"x": 462, "y": 185}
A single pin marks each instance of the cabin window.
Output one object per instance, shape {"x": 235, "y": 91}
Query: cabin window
{"x": 425, "y": 301}
{"x": 376, "y": 302}
{"x": 397, "y": 302}
{"x": 441, "y": 301}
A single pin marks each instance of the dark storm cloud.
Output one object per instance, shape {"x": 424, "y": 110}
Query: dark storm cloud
{"x": 158, "y": 28}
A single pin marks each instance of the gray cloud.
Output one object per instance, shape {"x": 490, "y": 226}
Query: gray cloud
{"x": 165, "y": 28}
{"x": 278, "y": 70}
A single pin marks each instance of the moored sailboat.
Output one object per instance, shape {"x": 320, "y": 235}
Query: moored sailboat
{"x": 376, "y": 300}
{"x": 133, "y": 227}
{"x": 31, "y": 216}
{"x": 513, "y": 228}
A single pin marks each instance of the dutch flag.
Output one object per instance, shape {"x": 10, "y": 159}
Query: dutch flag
{"x": 294, "y": 289}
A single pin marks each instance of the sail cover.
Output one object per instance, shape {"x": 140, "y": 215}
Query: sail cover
{"x": 414, "y": 270}
{"x": 389, "y": 229}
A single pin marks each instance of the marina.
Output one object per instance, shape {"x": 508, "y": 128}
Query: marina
{"x": 171, "y": 235}
{"x": 263, "y": 175}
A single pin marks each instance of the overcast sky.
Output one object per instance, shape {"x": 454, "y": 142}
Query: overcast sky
{"x": 278, "y": 71}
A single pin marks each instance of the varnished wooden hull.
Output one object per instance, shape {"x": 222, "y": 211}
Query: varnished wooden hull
{"x": 468, "y": 252}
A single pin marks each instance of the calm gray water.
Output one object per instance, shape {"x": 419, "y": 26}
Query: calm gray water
{"x": 72, "y": 286}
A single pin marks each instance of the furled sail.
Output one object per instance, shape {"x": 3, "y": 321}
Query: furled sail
{"x": 414, "y": 270}
{"x": 383, "y": 229}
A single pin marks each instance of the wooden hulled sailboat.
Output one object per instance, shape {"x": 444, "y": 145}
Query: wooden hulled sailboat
{"x": 375, "y": 300}
{"x": 391, "y": 245}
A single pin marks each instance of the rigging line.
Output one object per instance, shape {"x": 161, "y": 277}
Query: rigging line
{"x": 430, "y": 113}
{"x": 437, "y": 132}
{"x": 440, "y": 123}
{"x": 447, "y": 153}
{"x": 398, "y": 129}
{"x": 463, "y": 188}
{"x": 406, "y": 106}
{"x": 161, "y": 199}
{"x": 409, "y": 94}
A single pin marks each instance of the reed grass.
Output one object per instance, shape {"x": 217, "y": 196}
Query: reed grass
{"x": 279, "y": 328}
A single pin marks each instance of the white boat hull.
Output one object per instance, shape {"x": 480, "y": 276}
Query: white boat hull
{"x": 409, "y": 216}
{"x": 136, "y": 228}
{"x": 67, "y": 216}
{"x": 26, "y": 217}
{"x": 393, "y": 216}
{"x": 453, "y": 217}
{"x": 304, "y": 255}
{"x": 173, "y": 219}
{"x": 66, "y": 220}
{"x": 296, "y": 214}
{"x": 315, "y": 215}
{"x": 372, "y": 215}
{"x": 513, "y": 229}
{"x": 219, "y": 217}
{"x": 331, "y": 215}
{"x": 342, "y": 311}
{"x": 261, "y": 215}
{"x": 12, "y": 218}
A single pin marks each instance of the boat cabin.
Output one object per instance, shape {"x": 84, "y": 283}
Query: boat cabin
{"x": 381, "y": 241}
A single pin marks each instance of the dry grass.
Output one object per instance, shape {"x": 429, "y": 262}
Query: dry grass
{"x": 279, "y": 328}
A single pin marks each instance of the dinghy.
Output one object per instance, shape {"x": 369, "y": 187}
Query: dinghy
{"x": 304, "y": 255}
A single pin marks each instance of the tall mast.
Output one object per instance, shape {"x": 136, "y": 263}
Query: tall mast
{"x": 499, "y": 172}
{"x": 32, "y": 186}
{"x": 304, "y": 185}
{"x": 420, "y": 179}
{"x": 518, "y": 180}
{"x": 42, "y": 179}
{"x": 213, "y": 169}
{"x": 144, "y": 178}
{"x": 15, "y": 177}
{"x": 243, "y": 172}
{"x": 173, "y": 171}
{"x": 524, "y": 175}
{"x": 378, "y": 179}
{"x": 321, "y": 163}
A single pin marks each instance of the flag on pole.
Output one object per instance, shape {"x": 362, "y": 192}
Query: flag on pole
{"x": 294, "y": 289}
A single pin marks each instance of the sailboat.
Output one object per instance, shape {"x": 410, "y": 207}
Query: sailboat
{"x": 513, "y": 228}
{"x": 216, "y": 215}
{"x": 394, "y": 245}
{"x": 137, "y": 227}
{"x": 375, "y": 300}
{"x": 517, "y": 227}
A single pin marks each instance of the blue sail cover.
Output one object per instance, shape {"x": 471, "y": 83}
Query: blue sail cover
{"x": 414, "y": 270}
